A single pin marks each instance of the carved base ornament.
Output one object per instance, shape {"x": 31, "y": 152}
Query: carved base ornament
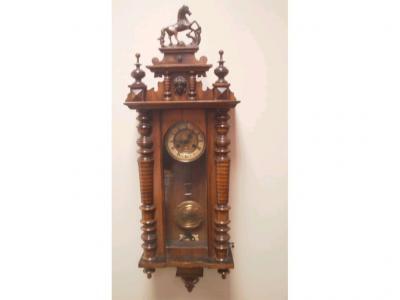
{"x": 183, "y": 160}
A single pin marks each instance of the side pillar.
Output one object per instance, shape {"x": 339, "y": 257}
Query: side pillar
{"x": 222, "y": 172}
{"x": 146, "y": 165}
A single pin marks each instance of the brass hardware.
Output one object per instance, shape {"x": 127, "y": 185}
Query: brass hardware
{"x": 189, "y": 237}
{"x": 185, "y": 142}
{"x": 188, "y": 215}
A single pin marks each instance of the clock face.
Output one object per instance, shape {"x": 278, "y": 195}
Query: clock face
{"x": 185, "y": 142}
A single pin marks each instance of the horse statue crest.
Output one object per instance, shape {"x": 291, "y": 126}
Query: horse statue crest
{"x": 181, "y": 25}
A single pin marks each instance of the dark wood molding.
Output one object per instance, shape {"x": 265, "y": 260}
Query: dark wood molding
{"x": 207, "y": 104}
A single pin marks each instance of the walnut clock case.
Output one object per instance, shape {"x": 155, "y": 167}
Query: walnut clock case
{"x": 183, "y": 159}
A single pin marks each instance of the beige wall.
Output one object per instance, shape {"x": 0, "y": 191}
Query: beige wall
{"x": 254, "y": 37}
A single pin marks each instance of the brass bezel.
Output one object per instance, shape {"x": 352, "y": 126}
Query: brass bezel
{"x": 194, "y": 207}
{"x": 184, "y": 160}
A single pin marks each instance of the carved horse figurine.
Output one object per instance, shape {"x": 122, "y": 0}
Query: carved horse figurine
{"x": 182, "y": 24}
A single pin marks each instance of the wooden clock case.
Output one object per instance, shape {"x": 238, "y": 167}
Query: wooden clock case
{"x": 180, "y": 98}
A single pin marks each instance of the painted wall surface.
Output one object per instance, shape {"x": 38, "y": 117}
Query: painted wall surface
{"x": 253, "y": 35}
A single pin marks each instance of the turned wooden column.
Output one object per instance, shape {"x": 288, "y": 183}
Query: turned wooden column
{"x": 192, "y": 86}
{"x": 222, "y": 172}
{"x": 146, "y": 164}
{"x": 167, "y": 86}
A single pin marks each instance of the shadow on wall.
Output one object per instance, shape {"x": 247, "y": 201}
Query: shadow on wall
{"x": 166, "y": 286}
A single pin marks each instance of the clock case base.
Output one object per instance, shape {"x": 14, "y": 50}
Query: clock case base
{"x": 182, "y": 262}
{"x": 188, "y": 269}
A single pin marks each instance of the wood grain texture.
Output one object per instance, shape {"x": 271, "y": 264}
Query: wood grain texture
{"x": 158, "y": 181}
{"x": 167, "y": 87}
{"x": 198, "y": 104}
{"x": 222, "y": 180}
{"x": 146, "y": 164}
{"x": 212, "y": 192}
{"x": 189, "y": 261}
{"x": 192, "y": 86}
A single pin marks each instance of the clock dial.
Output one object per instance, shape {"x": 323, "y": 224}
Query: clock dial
{"x": 185, "y": 142}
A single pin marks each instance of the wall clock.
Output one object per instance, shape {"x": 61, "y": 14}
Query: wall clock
{"x": 183, "y": 159}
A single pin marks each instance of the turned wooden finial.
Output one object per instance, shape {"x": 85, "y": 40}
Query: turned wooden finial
{"x": 138, "y": 73}
{"x": 221, "y": 71}
{"x": 221, "y": 52}
{"x": 221, "y": 86}
{"x": 138, "y": 88}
